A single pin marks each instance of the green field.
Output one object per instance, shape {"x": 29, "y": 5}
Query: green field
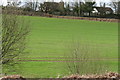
{"x": 51, "y": 37}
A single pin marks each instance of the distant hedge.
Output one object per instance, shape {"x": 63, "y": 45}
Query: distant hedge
{"x": 20, "y": 11}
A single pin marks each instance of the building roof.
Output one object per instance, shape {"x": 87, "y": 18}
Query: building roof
{"x": 104, "y": 9}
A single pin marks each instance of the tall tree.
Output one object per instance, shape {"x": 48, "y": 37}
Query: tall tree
{"x": 88, "y": 7}
{"x": 76, "y": 8}
{"x": 67, "y": 9}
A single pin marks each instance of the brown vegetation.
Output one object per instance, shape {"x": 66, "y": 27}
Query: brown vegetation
{"x": 107, "y": 76}
{"x": 13, "y": 77}
{"x": 88, "y": 18}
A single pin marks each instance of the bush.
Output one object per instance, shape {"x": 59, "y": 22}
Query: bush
{"x": 82, "y": 59}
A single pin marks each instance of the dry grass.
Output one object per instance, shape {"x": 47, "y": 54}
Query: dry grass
{"x": 107, "y": 75}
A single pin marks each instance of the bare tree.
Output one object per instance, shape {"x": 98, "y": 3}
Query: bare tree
{"x": 12, "y": 3}
{"x": 114, "y": 5}
{"x": 14, "y": 32}
{"x": 35, "y": 4}
{"x": 67, "y": 9}
{"x": 32, "y": 4}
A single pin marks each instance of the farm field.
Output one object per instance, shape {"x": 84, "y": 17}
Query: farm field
{"x": 50, "y": 39}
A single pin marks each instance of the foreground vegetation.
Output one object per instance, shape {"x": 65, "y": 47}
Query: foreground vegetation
{"x": 51, "y": 39}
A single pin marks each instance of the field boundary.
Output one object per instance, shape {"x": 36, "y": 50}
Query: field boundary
{"x": 63, "y": 17}
{"x": 85, "y": 18}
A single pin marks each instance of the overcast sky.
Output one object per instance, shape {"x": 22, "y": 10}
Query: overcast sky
{"x": 97, "y": 1}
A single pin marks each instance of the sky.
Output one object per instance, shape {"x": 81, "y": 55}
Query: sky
{"x": 4, "y": 2}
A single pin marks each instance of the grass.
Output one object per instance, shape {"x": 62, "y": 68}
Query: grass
{"x": 50, "y": 37}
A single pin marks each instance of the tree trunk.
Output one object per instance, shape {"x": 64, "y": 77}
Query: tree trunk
{"x": 89, "y": 14}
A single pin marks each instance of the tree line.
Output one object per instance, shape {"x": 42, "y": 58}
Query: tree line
{"x": 70, "y": 9}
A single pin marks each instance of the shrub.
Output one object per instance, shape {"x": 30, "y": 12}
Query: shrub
{"x": 82, "y": 59}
